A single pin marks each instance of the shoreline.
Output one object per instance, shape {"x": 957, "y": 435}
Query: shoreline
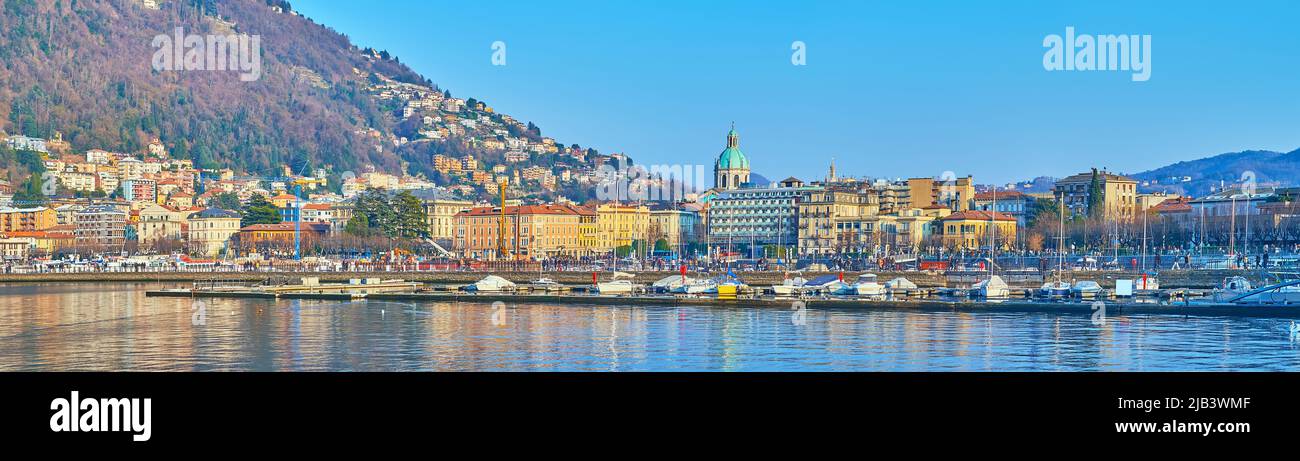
{"x": 926, "y": 305}
{"x": 1191, "y": 279}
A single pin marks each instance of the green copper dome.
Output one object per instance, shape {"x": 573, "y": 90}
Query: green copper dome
{"x": 732, "y": 157}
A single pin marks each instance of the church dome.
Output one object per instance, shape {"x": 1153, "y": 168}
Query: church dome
{"x": 732, "y": 157}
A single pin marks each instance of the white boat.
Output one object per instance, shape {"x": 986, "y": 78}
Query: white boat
{"x": 492, "y": 284}
{"x": 698, "y": 286}
{"x": 670, "y": 283}
{"x": 790, "y": 287}
{"x": 620, "y": 283}
{"x": 546, "y": 284}
{"x": 866, "y": 285}
{"x": 1057, "y": 289}
{"x": 992, "y": 287}
{"x": 825, "y": 284}
{"x": 899, "y": 284}
{"x": 1085, "y": 288}
{"x": 1232, "y": 288}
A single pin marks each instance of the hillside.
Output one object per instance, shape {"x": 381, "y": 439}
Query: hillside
{"x": 1197, "y": 177}
{"x": 83, "y": 68}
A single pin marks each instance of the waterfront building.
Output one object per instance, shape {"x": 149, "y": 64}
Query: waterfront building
{"x": 758, "y": 216}
{"x": 531, "y": 232}
{"x": 830, "y": 216}
{"x": 100, "y": 228}
{"x": 210, "y": 230}
{"x": 27, "y": 219}
{"x": 970, "y": 230}
{"x": 674, "y": 226}
{"x": 14, "y": 250}
{"x": 954, "y": 194}
{"x": 44, "y": 242}
{"x": 1118, "y": 200}
{"x": 1009, "y": 202}
{"x": 441, "y": 216}
{"x": 278, "y": 238}
{"x": 159, "y": 223}
{"x": 1230, "y": 201}
{"x": 731, "y": 171}
{"x": 619, "y": 225}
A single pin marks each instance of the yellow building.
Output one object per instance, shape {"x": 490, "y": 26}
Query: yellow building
{"x": 954, "y": 194}
{"x": 828, "y": 216}
{"x": 441, "y": 215}
{"x": 27, "y": 219}
{"x": 159, "y": 223}
{"x": 620, "y": 225}
{"x": 1119, "y": 194}
{"x": 531, "y": 232}
{"x": 971, "y": 230}
{"x": 210, "y": 230}
{"x": 673, "y": 226}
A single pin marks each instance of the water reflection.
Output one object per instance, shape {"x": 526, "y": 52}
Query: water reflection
{"x": 115, "y": 327}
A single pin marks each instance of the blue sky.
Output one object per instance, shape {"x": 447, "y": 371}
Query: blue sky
{"x": 890, "y": 89}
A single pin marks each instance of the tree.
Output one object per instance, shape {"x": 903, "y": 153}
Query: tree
{"x": 1096, "y": 200}
{"x": 359, "y": 226}
{"x": 259, "y": 211}
{"x": 411, "y": 219}
{"x": 226, "y": 201}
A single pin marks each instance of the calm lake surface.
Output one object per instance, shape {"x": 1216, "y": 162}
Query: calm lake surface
{"x": 115, "y": 327}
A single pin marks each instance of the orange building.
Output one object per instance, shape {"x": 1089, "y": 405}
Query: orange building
{"x": 27, "y": 219}
{"x": 272, "y": 238}
{"x": 531, "y": 231}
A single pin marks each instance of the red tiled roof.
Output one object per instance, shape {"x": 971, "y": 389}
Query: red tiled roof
{"x": 979, "y": 215}
{"x": 999, "y": 195}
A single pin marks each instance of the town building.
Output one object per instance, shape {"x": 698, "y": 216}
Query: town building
{"x": 27, "y": 219}
{"x": 731, "y": 171}
{"x": 1118, "y": 200}
{"x": 978, "y": 230}
{"x": 674, "y": 226}
{"x": 620, "y": 225}
{"x": 531, "y": 232}
{"x": 100, "y": 228}
{"x": 1009, "y": 202}
{"x": 754, "y": 216}
{"x": 210, "y": 230}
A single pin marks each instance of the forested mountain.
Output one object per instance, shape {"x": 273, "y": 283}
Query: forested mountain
{"x": 1198, "y": 177}
{"x": 83, "y": 68}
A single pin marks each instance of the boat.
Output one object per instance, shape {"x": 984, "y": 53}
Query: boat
{"x": 698, "y": 286}
{"x": 491, "y": 284}
{"x": 1085, "y": 289}
{"x": 730, "y": 287}
{"x": 1055, "y": 289}
{"x": 899, "y": 284}
{"x": 546, "y": 284}
{"x": 790, "y": 287}
{"x": 866, "y": 286}
{"x": 824, "y": 284}
{"x": 992, "y": 287}
{"x": 670, "y": 283}
{"x": 619, "y": 283}
{"x": 1232, "y": 288}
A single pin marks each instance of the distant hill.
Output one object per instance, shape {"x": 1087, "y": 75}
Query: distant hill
{"x": 84, "y": 68}
{"x": 1197, "y": 177}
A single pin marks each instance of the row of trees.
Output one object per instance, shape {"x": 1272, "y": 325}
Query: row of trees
{"x": 396, "y": 216}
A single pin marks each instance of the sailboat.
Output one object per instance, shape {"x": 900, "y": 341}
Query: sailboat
{"x": 1058, "y": 288}
{"x": 993, "y": 286}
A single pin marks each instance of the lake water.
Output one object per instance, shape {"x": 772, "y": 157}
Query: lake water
{"x": 115, "y": 327}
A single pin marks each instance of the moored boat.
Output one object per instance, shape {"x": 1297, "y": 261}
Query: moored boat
{"x": 993, "y": 287}
{"x": 491, "y": 284}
